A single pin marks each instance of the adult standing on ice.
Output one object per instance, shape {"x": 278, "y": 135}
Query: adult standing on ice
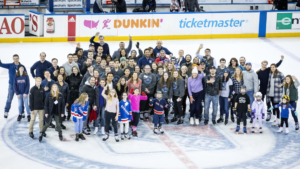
{"x": 40, "y": 66}
{"x": 116, "y": 54}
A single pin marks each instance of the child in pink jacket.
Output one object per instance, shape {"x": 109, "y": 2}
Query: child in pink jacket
{"x": 135, "y": 99}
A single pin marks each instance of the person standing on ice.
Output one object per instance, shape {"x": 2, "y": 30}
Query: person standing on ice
{"x": 242, "y": 63}
{"x": 69, "y": 64}
{"x": 116, "y": 54}
{"x": 159, "y": 47}
{"x": 12, "y": 69}
{"x": 145, "y": 60}
{"x": 101, "y": 42}
{"x": 263, "y": 77}
{"x": 258, "y": 111}
{"x": 209, "y": 59}
{"x": 40, "y": 66}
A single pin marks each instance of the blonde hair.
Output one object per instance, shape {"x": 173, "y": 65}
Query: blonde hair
{"x": 119, "y": 84}
{"x": 235, "y": 75}
{"x": 109, "y": 98}
{"x": 53, "y": 93}
{"x": 38, "y": 78}
{"x": 264, "y": 62}
{"x": 81, "y": 99}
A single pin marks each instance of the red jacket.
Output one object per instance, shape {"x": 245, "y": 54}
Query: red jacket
{"x": 157, "y": 60}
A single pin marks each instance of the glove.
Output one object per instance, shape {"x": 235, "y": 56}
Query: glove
{"x": 263, "y": 116}
{"x": 271, "y": 108}
{"x": 137, "y": 45}
{"x": 249, "y": 112}
{"x": 143, "y": 94}
{"x": 253, "y": 115}
{"x": 131, "y": 91}
{"x": 74, "y": 119}
{"x": 234, "y": 111}
{"x": 296, "y": 113}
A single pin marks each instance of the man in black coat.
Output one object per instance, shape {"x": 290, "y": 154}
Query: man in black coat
{"x": 93, "y": 92}
{"x": 120, "y": 6}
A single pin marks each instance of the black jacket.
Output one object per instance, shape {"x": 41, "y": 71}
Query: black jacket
{"x": 213, "y": 88}
{"x": 190, "y": 5}
{"x": 64, "y": 90}
{"x": 74, "y": 83}
{"x": 149, "y": 5}
{"x": 120, "y": 6}
{"x": 49, "y": 106}
{"x": 93, "y": 93}
{"x": 36, "y": 98}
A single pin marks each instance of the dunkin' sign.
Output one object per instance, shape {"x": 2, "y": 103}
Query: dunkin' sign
{"x": 137, "y": 23}
{"x": 12, "y": 26}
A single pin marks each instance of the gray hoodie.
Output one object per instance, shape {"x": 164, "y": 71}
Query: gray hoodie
{"x": 167, "y": 93}
{"x": 250, "y": 80}
{"x": 178, "y": 88}
{"x": 148, "y": 81}
{"x": 116, "y": 54}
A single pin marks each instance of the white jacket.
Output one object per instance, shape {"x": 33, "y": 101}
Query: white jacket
{"x": 258, "y": 108}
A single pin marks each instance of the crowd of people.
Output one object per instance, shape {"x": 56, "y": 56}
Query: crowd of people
{"x": 116, "y": 91}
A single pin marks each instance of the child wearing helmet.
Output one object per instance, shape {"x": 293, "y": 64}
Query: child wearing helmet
{"x": 285, "y": 106}
{"x": 258, "y": 111}
{"x": 241, "y": 108}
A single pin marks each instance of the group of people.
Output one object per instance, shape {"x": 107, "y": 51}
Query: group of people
{"x": 95, "y": 87}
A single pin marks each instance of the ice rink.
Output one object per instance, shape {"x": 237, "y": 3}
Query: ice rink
{"x": 183, "y": 146}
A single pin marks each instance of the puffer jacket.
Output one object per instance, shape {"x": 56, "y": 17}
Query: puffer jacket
{"x": 64, "y": 90}
{"x": 74, "y": 83}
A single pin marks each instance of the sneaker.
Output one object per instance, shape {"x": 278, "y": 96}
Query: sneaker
{"x": 260, "y": 130}
{"x": 197, "y": 121}
{"x": 117, "y": 137}
{"x": 253, "y": 130}
{"x": 205, "y": 122}
{"x": 192, "y": 120}
{"x": 77, "y": 137}
{"x": 19, "y": 117}
{"x": 31, "y": 135}
{"x": 141, "y": 116}
{"x": 122, "y": 136}
{"x": 226, "y": 121}
{"x": 81, "y": 136}
{"x": 5, "y": 115}
{"x": 63, "y": 126}
{"x": 245, "y": 130}
{"x": 28, "y": 118}
{"x": 51, "y": 125}
{"x": 174, "y": 119}
{"x": 220, "y": 120}
{"x": 105, "y": 137}
{"x": 237, "y": 129}
{"x": 135, "y": 134}
{"x": 86, "y": 132}
{"x": 280, "y": 130}
{"x": 214, "y": 122}
{"x": 102, "y": 131}
{"x": 287, "y": 130}
{"x": 155, "y": 130}
{"x": 161, "y": 130}
{"x": 296, "y": 126}
{"x": 96, "y": 130}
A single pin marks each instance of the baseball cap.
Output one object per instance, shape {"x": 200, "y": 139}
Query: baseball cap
{"x": 92, "y": 44}
{"x": 249, "y": 63}
{"x": 212, "y": 67}
{"x": 226, "y": 71}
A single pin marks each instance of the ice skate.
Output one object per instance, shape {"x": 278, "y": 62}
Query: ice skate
{"x": 5, "y": 115}
{"x": 253, "y": 130}
{"x": 205, "y": 122}
{"x": 161, "y": 130}
{"x": 142, "y": 116}
{"x": 77, "y": 137}
{"x": 274, "y": 124}
{"x": 192, "y": 120}
{"x": 245, "y": 130}
{"x": 102, "y": 131}
{"x": 88, "y": 128}
{"x": 269, "y": 116}
{"x": 117, "y": 137}
{"x": 237, "y": 129}
{"x": 226, "y": 121}
{"x": 122, "y": 136}
{"x": 260, "y": 130}
{"x": 60, "y": 136}
{"x": 174, "y": 119}
{"x": 135, "y": 134}
{"x": 31, "y": 135}
{"x": 297, "y": 126}
{"x": 280, "y": 130}
{"x": 155, "y": 130}
{"x": 214, "y": 122}
{"x": 146, "y": 116}
{"x": 81, "y": 136}
{"x": 86, "y": 132}
{"x": 105, "y": 137}
{"x": 180, "y": 121}
{"x": 28, "y": 118}
{"x": 19, "y": 118}
{"x": 63, "y": 126}
{"x": 96, "y": 130}
{"x": 220, "y": 120}
{"x": 23, "y": 115}
{"x": 127, "y": 136}
{"x": 41, "y": 137}
{"x": 51, "y": 125}
{"x": 287, "y": 130}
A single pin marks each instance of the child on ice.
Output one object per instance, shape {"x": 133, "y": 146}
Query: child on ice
{"x": 135, "y": 99}
{"x": 158, "y": 105}
{"x": 258, "y": 112}
{"x": 285, "y": 106}
{"x": 125, "y": 114}
{"x": 79, "y": 111}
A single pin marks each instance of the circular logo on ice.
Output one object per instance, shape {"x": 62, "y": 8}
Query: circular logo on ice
{"x": 285, "y": 21}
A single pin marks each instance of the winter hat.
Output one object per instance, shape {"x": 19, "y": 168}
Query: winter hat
{"x": 123, "y": 59}
{"x": 132, "y": 51}
{"x": 194, "y": 70}
{"x": 258, "y": 94}
{"x": 166, "y": 60}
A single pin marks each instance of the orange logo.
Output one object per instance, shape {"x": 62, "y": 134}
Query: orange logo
{"x": 137, "y": 23}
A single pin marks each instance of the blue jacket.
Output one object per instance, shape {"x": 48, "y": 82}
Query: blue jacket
{"x": 125, "y": 111}
{"x": 144, "y": 61}
{"x": 158, "y": 106}
{"x": 284, "y": 111}
{"x": 21, "y": 85}
{"x": 12, "y": 69}
{"x": 51, "y": 70}
{"x": 39, "y": 68}
{"x": 97, "y": 44}
{"x": 156, "y": 50}
{"x": 48, "y": 84}
{"x": 182, "y": 61}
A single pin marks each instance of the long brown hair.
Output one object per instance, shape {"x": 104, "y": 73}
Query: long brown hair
{"x": 137, "y": 79}
{"x": 120, "y": 55}
{"x": 52, "y": 92}
{"x": 178, "y": 77}
{"x": 81, "y": 99}
{"x": 288, "y": 85}
{"x": 235, "y": 75}
{"x": 18, "y": 72}
{"x": 237, "y": 63}
{"x": 119, "y": 84}
{"x": 152, "y": 55}
{"x": 162, "y": 80}
{"x": 57, "y": 72}
{"x": 276, "y": 72}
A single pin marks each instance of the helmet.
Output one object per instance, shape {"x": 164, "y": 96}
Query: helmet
{"x": 286, "y": 97}
{"x": 258, "y": 94}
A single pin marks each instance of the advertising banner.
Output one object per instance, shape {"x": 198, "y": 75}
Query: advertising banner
{"x": 283, "y": 22}
{"x": 67, "y": 3}
{"x": 199, "y": 1}
{"x": 55, "y": 25}
{"x": 36, "y": 26}
{"x": 25, "y": 2}
{"x": 12, "y": 26}
{"x": 251, "y": 1}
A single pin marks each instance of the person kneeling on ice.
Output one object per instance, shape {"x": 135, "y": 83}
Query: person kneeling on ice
{"x": 79, "y": 111}
{"x": 258, "y": 111}
{"x": 285, "y": 106}
{"x": 241, "y": 108}
{"x": 125, "y": 115}
{"x": 135, "y": 99}
{"x": 158, "y": 105}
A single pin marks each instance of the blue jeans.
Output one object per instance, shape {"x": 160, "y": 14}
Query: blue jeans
{"x": 214, "y": 100}
{"x": 250, "y": 94}
{"x": 10, "y": 96}
{"x": 294, "y": 105}
{"x": 224, "y": 106}
{"x": 78, "y": 126}
{"x": 21, "y": 105}
{"x": 101, "y": 114}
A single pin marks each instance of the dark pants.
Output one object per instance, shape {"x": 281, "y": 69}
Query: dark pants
{"x": 136, "y": 118}
{"x": 275, "y": 110}
{"x": 57, "y": 121}
{"x": 294, "y": 105}
{"x": 242, "y": 116}
{"x": 144, "y": 104}
{"x": 166, "y": 110}
{"x": 110, "y": 117}
{"x": 196, "y": 105}
{"x": 284, "y": 120}
{"x": 177, "y": 107}
{"x": 184, "y": 104}
{"x": 223, "y": 101}
{"x": 232, "y": 101}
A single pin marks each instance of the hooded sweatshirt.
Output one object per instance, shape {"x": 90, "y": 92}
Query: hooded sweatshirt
{"x": 148, "y": 81}
{"x": 178, "y": 88}
{"x": 250, "y": 80}
{"x": 21, "y": 84}
{"x": 117, "y": 74}
{"x": 167, "y": 93}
